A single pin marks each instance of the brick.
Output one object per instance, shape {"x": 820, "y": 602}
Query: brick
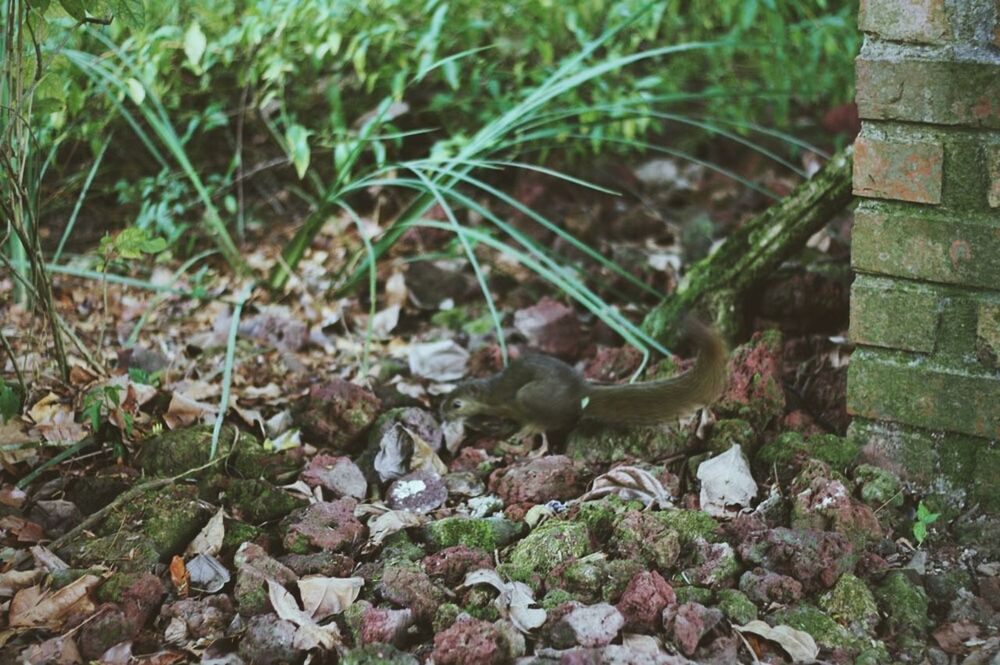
{"x": 894, "y": 315}
{"x": 891, "y": 386}
{"x": 935, "y": 461}
{"x": 993, "y": 171}
{"x": 893, "y": 87}
{"x": 934, "y": 248}
{"x": 898, "y": 170}
{"x": 988, "y": 334}
{"x": 916, "y": 21}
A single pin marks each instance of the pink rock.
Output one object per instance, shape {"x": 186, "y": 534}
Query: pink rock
{"x": 764, "y": 588}
{"x": 470, "y": 642}
{"x": 538, "y": 480}
{"x": 329, "y": 525}
{"x": 612, "y": 364}
{"x": 335, "y": 413}
{"x": 338, "y": 474}
{"x": 386, "y": 626}
{"x": 644, "y": 600}
{"x": 550, "y": 327}
{"x": 452, "y": 564}
{"x": 418, "y": 492}
{"x": 687, "y": 624}
{"x": 409, "y": 586}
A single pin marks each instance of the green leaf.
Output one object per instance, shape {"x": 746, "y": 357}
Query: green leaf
{"x": 136, "y": 91}
{"x": 195, "y": 43}
{"x": 74, "y": 8}
{"x": 919, "y": 532}
{"x": 922, "y": 512}
{"x": 133, "y": 242}
{"x": 10, "y": 402}
{"x": 130, "y": 12}
{"x": 298, "y": 148}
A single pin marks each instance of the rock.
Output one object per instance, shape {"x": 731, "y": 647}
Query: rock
{"x": 817, "y": 559}
{"x": 640, "y": 535}
{"x": 588, "y": 626}
{"x": 484, "y": 533}
{"x": 406, "y": 584}
{"x": 269, "y": 639}
{"x": 327, "y": 564}
{"x": 595, "y": 443}
{"x": 550, "y": 327}
{"x": 611, "y": 365}
{"x": 420, "y": 422}
{"x": 257, "y": 501}
{"x": 418, "y": 492}
{"x": 254, "y": 567}
{"x": 716, "y": 565}
{"x": 736, "y": 606}
{"x": 103, "y": 629}
{"x": 764, "y": 587}
{"x": 851, "y": 603}
{"x": 644, "y": 600}
{"x": 452, "y": 564}
{"x": 386, "y": 626}
{"x": 338, "y": 474}
{"x": 904, "y": 604}
{"x": 377, "y": 654}
{"x": 192, "y": 619}
{"x": 540, "y": 551}
{"x": 335, "y": 413}
{"x": 687, "y": 624}
{"x": 879, "y": 487}
{"x": 822, "y": 502}
{"x": 538, "y": 481}
{"x": 329, "y": 525}
{"x": 754, "y": 391}
{"x": 470, "y": 642}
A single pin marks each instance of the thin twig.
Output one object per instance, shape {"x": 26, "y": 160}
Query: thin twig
{"x": 13, "y": 361}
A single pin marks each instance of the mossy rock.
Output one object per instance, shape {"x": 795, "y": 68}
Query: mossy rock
{"x": 484, "y": 533}
{"x": 736, "y": 606}
{"x": 592, "y": 443}
{"x": 377, "y": 654}
{"x": 690, "y": 525}
{"x": 789, "y": 450}
{"x": 729, "y": 431}
{"x": 851, "y": 603}
{"x": 879, "y": 487}
{"x": 543, "y": 549}
{"x": 599, "y": 515}
{"x": 904, "y": 605}
{"x": 259, "y": 501}
{"x": 694, "y": 594}
{"x": 138, "y": 534}
{"x": 828, "y": 633}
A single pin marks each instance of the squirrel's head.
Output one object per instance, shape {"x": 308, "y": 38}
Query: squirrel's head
{"x": 462, "y": 403}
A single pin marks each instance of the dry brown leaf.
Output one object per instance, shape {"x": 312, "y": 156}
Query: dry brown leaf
{"x": 34, "y": 607}
{"x": 325, "y": 596}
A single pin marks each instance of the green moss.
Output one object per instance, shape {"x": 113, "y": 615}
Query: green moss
{"x": 483, "y": 533}
{"x": 237, "y": 533}
{"x": 599, "y": 516}
{"x": 544, "y": 548}
{"x": 479, "y": 604}
{"x": 904, "y": 605}
{"x": 556, "y": 597}
{"x": 377, "y": 654}
{"x": 593, "y": 443}
{"x": 782, "y": 451}
{"x": 850, "y": 602}
{"x": 400, "y": 547}
{"x": 445, "y": 616}
{"x": 736, "y": 606}
{"x": 729, "y": 431}
{"x": 57, "y": 579}
{"x": 259, "y": 501}
{"x": 827, "y": 632}
{"x": 879, "y": 487}
{"x": 690, "y": 525}
{"x": 837, "y": 451}
{"x": 585, "y": 578}
{"x": 619, "y": 573}
{"x": 452, "y": 319}
{"x": 694, "y": 594}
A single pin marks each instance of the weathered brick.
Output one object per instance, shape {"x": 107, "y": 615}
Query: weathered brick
{"x": 993, "y": 169}
{"x": 885, "y": 385}
{"x": 898, "y": 170}
{"x": 988, "y": 334}
{"x": 939, "y": 92}
{"x": 892, "y": 314}
{"x": 939, "y": 249}
{"x": 933, "y": 460}
{"x": 917, "y": 21}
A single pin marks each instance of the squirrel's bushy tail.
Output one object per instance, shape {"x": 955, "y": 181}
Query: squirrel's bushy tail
{"x": 659, "y": 401}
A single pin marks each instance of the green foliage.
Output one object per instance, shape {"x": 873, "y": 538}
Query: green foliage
{"x": 100, "y": 403}
{"x": 131, "y": 243}
{"x": 10, "y": 401}
{"x": 924, "y": 519}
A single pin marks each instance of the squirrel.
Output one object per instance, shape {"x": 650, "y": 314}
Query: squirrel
{"x": 542, "y": 393}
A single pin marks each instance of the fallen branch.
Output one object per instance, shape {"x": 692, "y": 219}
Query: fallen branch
{"x": 754, "y": 251}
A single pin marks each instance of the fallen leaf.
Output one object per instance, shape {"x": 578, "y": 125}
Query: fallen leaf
{"x": 34, "y": 607}
{"x": 184, "y": 411}
{"x": 325, "y": 596}
{"x": 439, "y": 361}
{"x": 209, "y": 539}
{"x": 385, "y": 321}
{"x": 309, "y": 634}
{"x": 630, "y": 482}
{"x": 206, "y": 573}
{"x": 726, "y": 482}
{"x": 799, "y": 645}
{"x": 179, "y": 576}
{"x": 515, "y": 600}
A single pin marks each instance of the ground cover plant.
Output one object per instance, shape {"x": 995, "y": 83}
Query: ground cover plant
{"x": 246, "y": 261}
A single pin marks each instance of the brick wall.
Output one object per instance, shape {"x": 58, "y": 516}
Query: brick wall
{"x": 924, "y": 383}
